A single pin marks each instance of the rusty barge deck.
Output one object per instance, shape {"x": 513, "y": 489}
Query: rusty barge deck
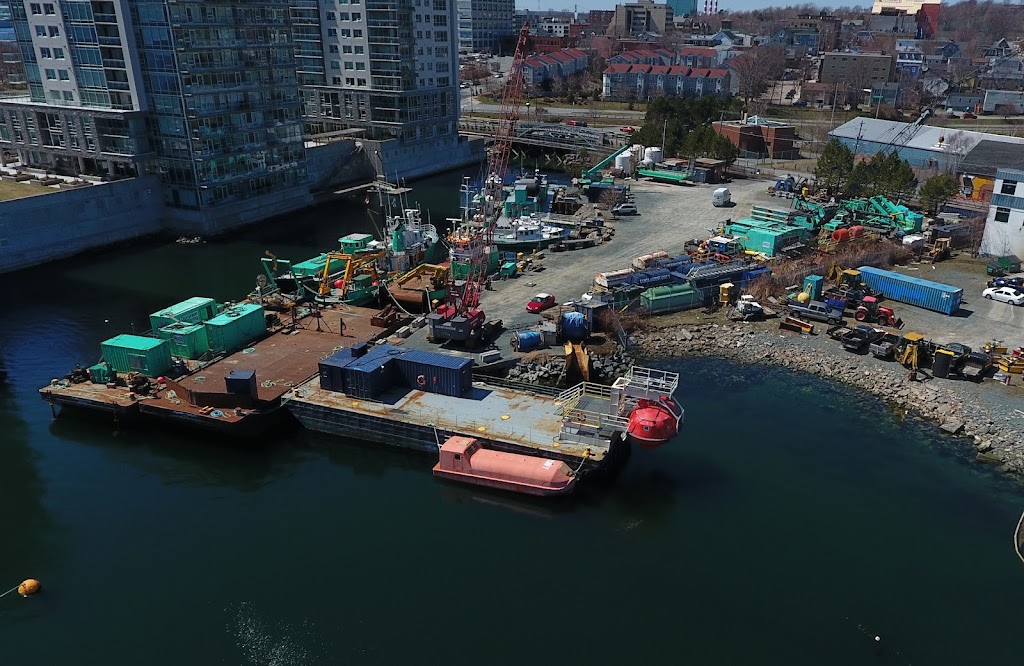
{"x": 286, "y": 357}
{"x": 573, "y": 426}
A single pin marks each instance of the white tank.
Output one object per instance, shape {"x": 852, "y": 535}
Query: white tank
{"x": 624, "y": 162}
{"x": 653, "y": 154}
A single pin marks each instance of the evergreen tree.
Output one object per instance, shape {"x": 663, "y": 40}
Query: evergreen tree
{"x": 834, "y": 167}
{"x": 936, "y": 191}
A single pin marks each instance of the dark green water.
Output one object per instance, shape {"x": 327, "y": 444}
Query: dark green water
{"x": 746, "y": 541}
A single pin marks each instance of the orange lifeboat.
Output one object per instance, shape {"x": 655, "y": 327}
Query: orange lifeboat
{"x": 463, "y": 459}
{"x": 654, "y": 422}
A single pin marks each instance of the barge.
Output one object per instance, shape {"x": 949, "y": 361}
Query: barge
{"x": 236, "y": 392}
{"x": 585, "y": 426}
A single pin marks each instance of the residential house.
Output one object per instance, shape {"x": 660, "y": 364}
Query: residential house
{"x": 642, "y": 81}
{"x": 964, "y": 102}
{"x": 1003, "y": 102}
{"x": 909, "y": 57}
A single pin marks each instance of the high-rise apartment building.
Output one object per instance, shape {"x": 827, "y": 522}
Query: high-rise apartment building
{"x": 225, "y": 114}
{"x": 85, "y": 110}
{"x": 390, "y": 67}
{"x": 201, "y": 93}
{"x": 484, "y": 23}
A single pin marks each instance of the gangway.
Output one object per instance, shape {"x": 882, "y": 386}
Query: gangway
{"x": 594, "y": 172}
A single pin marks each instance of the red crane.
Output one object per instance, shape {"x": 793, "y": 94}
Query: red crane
{"x": 465, "y": 301}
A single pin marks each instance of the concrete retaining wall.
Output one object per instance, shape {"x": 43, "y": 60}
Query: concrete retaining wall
{"x": 42, "y": 228}
{"x": 424, "y": 158}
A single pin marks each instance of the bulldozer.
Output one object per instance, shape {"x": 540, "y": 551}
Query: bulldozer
{"x": 869, "y": 311}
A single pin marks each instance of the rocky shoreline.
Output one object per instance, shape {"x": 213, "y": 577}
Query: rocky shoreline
{"x": 989, "y": 422}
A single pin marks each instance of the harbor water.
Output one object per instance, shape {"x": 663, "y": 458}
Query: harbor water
{"x": 791, "y": 522}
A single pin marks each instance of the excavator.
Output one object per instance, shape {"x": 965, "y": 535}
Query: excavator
{"x": 358, "y": 284}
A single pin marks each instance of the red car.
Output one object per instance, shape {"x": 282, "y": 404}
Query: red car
{"x": 540, "y": 303}
{"x": 970, "y": 116}
{"x": 627, "y": 130}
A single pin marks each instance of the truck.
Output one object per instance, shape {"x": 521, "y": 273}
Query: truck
{"x": 859, "y": 338}
{"x": 815, "y": 310}
{"x": 885, "y": 347}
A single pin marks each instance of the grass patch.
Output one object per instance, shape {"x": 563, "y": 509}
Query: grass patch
{"x": 11, "y": 190}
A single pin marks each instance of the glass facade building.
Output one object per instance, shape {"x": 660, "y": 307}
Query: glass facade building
{"x": 484, "y": 23}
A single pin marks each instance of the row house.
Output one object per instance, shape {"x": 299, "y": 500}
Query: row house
{"x": 554, "y": 65}
{"x": 624, "y": 81}
{"x": 909, "y": 56}
{"x": 706, "y": 58}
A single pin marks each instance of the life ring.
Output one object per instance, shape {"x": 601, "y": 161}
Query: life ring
{"x": 583, "y": 418}
{"x": 421, "y": 381}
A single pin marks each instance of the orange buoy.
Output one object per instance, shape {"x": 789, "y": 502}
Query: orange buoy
{"x": 29, "y": 587}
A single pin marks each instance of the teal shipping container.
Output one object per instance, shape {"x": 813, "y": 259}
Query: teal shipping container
{"x": 195, "y": 310}
{"x": 187, "y": 340}
{"x": 136, "y": 353}
{"x": 672, "y": 298}
{"x": 236, "y": 327}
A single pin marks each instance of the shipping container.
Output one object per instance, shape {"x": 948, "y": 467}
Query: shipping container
{"x": 662, "y": 300}
{"x": 187, "y": 340}
{"x": 331, "y": 378}
{"x": 236, "y": 327}
{"x": 368, "y": 377}
{"x": 195, "y": 310}
{"x": 136, "y": 353}
{"x": 436, "y": 373}
{"x": 913, "y": 291}
{"x": 99, "y": 373}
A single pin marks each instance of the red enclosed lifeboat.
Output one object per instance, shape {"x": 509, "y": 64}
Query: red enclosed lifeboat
{"x": 654, "y": 422}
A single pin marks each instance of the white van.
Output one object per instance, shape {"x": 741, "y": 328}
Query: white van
{"x": 721, "y": 197}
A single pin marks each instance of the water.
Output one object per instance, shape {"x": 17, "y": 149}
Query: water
{"x": 790, "y": 523}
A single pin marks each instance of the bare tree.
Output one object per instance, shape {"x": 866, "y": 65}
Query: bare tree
{"x": 757, "y": 68}
{"x": 858, "y": 78}
{"x": 957, "y": 145}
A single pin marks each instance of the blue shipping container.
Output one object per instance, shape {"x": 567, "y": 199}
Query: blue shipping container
{"x": 913, "y": 291}
{"x": 331, "y": 378}
{"x": 368, "y": 380}
{"x": 436, "y": 373}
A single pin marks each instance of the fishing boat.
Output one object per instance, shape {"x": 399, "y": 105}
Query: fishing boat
{"x": 528, "y": 233}
{"x": 463, "y": 459}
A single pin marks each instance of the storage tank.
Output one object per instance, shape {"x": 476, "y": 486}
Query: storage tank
{"x": 526, "y": 341}
{"x": 624, "y": 162}
{"x": 574, "y": 326}
{"x": 653, "y": 154}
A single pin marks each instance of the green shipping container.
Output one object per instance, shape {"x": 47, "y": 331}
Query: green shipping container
{"x": 135, "y": 353}
{"x": 662, "y": 300}
{"x": 195, "y": 310}
{"x": 187, "y": 340}
{"x": 236, "y": 327}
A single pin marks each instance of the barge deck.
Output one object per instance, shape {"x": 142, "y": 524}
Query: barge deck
{"x": 285, "y": 358}
{"x": 574, "y": 426}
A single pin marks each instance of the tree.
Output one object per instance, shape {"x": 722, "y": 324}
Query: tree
{"x": 858, "y": 79}
{"x": 936, "y": 191}
{"x": 834, "y": 166}
{"x": 884, "y": 174}
{"x": 757, "y": 68}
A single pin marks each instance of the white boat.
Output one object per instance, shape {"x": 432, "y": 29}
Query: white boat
{"x": 527, "y": 233}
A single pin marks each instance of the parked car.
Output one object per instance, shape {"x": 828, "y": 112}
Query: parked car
{"x": 576, "y": 123}
{"x": 970, "y": 116}
{"x": 860, "y": 338}
{"x": 1007, "y": 282}
{"x": 540, "y": 302}
{"x": 626, "y": 208}
{"x": 1004, "y": 294}
{"x": 627, "y": 130}
{"x": 800, "y": 102}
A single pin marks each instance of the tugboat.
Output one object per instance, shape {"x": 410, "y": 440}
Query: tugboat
{"x": 654, "y": 422}
{"x": 463, "y": 459}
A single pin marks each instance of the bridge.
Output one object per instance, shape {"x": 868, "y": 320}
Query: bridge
{"x": 551, "y": 135}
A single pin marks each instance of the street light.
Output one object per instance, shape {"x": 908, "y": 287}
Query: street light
{"x": 527, "y": 110}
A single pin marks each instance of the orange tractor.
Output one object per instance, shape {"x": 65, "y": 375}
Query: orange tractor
{"x": 871, "y": 312}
